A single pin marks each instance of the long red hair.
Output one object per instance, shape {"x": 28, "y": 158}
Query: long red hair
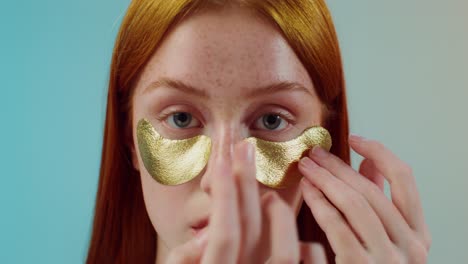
{"x": 122, "y": 231}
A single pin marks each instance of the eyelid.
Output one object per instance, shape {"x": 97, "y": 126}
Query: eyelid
{"x": 178, "y": 109}
{"x": 167, "y": 112}
{"x": 285, "y": 115}
{"x": 260, "y": 125}
{"x": 171, "y": 121}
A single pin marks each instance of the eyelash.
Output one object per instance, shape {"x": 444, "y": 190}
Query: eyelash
{"x": 285, "y": 116}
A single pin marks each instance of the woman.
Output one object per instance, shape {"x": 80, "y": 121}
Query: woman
{"x": 229, "y": 70}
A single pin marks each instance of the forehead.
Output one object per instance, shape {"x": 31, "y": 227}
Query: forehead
{"x": 225, "y": 52}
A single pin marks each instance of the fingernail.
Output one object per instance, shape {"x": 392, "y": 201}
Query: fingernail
{"x": 268, "y": 197}
{"x": 308, "y": 163}
{"x": 249, "y": 151}
{"x": 319, "y": 152}
{"x": 355, "y": 138}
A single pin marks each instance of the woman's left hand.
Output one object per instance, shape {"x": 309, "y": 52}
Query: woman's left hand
{"x": 361, "y": 223}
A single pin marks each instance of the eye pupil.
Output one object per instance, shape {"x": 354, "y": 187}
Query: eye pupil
{"x": 271, "y": 121}
{"x": 182, "y": 119}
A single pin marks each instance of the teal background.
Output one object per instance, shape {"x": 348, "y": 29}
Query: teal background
{"x": 406, "y": 66}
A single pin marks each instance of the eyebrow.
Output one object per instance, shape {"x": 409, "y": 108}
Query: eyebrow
{"x": 283, "y": 86}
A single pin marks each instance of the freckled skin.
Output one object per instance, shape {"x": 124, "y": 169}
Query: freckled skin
{"x": 227, "y": 53}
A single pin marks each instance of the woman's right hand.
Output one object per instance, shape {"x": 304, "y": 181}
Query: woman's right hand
{"x": 244, "y": 227}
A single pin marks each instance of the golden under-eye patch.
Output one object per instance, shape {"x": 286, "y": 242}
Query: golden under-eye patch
{"x": 173, "y": 162}
{"x": 276, "y": 162}
{"x": 169, "y": 161}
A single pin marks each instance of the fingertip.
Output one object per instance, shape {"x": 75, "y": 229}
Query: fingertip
{"x": 306, "y": 164}
{"x": 355, "y": 141}
{"x": 269, "y": 197}
{"x": 313, "y": 253}
{"x": 355, "y": 138}
{"x": 202, "y": 239}
{"x": 359, "y": 144}
{"x": 244, "y": 152}
{"x": 318, "y": 151}
{"x": 249, "y": 150}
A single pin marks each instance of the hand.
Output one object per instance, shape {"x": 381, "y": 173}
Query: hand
{"x": 245, "y": 227}
{"x": 361, "y": 223}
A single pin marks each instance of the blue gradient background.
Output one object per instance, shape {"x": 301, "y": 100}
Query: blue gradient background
{"x": 406, "y": 66}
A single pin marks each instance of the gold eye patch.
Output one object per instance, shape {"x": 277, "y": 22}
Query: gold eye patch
{"x": 168, "y": 161}
{"x": 276, "y": 162}
{"x": 173, "y": 162}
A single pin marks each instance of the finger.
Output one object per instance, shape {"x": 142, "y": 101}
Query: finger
{"x": 342, "y": 239}
{"x": 284, "y": 237}
{"x": 368, "y": 170}
{"x": 224, "y": 230}
{"x": 359, "y": 214}
{"x": 249, "y": 198}
{"x": 400, "y": 177}
{"x": 190, "y": 252}
{"x": 392, "y": 220}
{"x": 313, "y": 253}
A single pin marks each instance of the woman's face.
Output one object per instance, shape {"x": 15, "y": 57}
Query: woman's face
{"x": 222, "y": 61}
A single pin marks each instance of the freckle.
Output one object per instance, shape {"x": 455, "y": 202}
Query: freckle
{"x": 218, "y": 82}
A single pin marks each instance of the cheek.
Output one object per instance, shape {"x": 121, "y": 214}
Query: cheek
{"x": 160, "y": 201}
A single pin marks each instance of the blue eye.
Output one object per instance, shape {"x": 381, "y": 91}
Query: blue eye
{"x": 182, "y": 120}
{"x": 271, "y": 122}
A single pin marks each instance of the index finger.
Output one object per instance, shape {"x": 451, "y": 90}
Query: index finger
{"x": 224, "y": 230}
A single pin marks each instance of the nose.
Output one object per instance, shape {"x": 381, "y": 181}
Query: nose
{"x": 221, "y": 157}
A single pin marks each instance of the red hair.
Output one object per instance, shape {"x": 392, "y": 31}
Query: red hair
{"x": 122, "y": 231}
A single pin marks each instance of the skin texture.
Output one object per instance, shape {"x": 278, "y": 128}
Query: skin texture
{"x": 228, "y": 54}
